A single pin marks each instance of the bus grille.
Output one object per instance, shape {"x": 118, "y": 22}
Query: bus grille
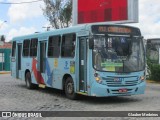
{"x": 120, "y": 81}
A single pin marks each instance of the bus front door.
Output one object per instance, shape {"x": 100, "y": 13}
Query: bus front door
{"x": 83, "y": 65}
{"x": 18, "y": 61}
{"x": 41, "y": 62}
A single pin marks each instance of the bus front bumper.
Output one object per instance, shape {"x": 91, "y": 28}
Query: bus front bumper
{"x": 100, "y": 90}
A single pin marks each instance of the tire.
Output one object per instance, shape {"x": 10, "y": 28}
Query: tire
{"x": 29, "y": 84}
{"x": 69, "y": 89}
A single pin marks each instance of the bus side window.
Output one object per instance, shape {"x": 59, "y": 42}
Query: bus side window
{"x": 26, "y": 46}
{"x": 54, "y": 46}
{"x": 68, "y": 45}
{"x": 33, "y": 47}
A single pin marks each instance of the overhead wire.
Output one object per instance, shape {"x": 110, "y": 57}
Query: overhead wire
{"x": 20, "y": 2}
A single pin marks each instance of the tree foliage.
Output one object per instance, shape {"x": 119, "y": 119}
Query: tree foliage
{"x": 2, "y": 38}
{"x": 58, "y": 12}
{"x": 153, "y": 66}
{"x": 154, "y": 71}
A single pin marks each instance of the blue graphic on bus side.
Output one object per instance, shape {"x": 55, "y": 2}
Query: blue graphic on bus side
{"x": 49, "y": 73}
{"x": 66, "y": 66}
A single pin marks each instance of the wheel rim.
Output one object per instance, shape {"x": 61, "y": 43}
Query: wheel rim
{"x": 27, "y": 82}
{"x": 70, "y": 88}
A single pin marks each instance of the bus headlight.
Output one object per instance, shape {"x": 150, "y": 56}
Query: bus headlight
{"x": 98, "y": 80}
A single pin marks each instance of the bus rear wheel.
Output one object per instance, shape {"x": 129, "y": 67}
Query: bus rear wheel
{"x": 29, "y": 84}
{"x": 69, "y": 89}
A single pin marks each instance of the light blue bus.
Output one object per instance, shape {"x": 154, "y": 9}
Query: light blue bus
{"x": 93, "y": 59}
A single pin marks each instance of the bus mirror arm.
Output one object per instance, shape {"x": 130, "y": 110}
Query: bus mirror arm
{"x": 142, "y": 37}
{"x": 91, "y": 43}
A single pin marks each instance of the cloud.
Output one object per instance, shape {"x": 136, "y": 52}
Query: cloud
{"x": 20, "y": 12}
{"x": 21, "y": 31}
{"x": 149, "y": 18}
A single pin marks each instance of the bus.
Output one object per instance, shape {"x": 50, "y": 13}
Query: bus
{"x": 93, "y": 59}
{"x": 153, "y": 50}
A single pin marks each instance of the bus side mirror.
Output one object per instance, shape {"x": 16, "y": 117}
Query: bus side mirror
{"x": 91, "y": 43}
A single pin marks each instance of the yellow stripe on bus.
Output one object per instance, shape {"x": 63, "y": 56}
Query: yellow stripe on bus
{"x": 42, "y": 86}
{"x": 82, "y": 93}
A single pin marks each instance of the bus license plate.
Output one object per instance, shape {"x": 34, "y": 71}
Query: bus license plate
{"x": 122, "y": 90}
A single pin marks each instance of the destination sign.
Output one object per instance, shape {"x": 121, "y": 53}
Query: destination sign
{"x": 113, "y": 29}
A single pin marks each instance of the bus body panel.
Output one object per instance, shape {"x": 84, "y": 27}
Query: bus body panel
{"x": 131, "y": 84}
{"x": 99, "y": 90}
{"x": 13, "y": 67}
{"x": 80, "y": 67}
{"x": 59, "y": 68}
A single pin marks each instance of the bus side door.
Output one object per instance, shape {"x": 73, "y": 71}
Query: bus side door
{"x": 16, "y": 60}
{"x": 83, "y": 64}
{"x": 41, "y": 66}
{"x": 13, "y": 60}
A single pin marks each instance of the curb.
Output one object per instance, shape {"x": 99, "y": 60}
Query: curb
{"x": 4, "y": 72}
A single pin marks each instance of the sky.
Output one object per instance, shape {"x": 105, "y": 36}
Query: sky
{"x": 25, "y": 19}
{"x": 21, "y": 19}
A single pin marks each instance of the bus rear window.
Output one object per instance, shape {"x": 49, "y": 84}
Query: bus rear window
{"x": 13, "y": 49}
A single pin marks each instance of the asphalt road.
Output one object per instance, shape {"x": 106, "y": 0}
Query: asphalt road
{"x": 14, "y": 96}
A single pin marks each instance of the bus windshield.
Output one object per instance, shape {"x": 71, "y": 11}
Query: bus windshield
{"x": 118, "y": 53}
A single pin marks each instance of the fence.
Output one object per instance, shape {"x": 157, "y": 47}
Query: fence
{"x": 5, "y": 59}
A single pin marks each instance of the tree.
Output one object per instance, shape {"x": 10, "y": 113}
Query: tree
{"x": 58, "y": 12}
{"x": 2, "y": 38}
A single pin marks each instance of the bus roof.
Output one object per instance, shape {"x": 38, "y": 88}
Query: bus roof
{"x": 71, "y": 29}
{"x": 153, "y": 40}
{"x": 51, "y": 32}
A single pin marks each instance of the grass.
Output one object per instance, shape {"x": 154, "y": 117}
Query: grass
{"x": 153, "y": 81}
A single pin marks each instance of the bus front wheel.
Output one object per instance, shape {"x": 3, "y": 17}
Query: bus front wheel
{"x": 69, "y": 89}
{"x": 29, "y": 84}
